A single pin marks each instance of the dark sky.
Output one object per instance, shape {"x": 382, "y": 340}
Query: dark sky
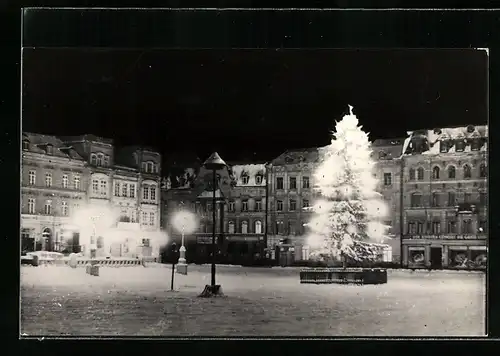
{"x": 242, "y": 102}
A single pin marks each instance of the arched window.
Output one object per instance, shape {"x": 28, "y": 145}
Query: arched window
{"x": 150, "y": 167}
{"x": 230, "y": 227}
{"x": 100, "y": 158}
{"x": 435, "y": 172}
{"x": 412, "y": 174}
{"x": 93, "y": 159}
{"x": 26, "y": 145}
{"x": 244, "y": 227}
{"x": 258, "y": 227}
{"x": 482, "y": 171}
{"x": 467, "y": 171}
{"x": 451, "y": 172}
{"x": 420, "y": 173}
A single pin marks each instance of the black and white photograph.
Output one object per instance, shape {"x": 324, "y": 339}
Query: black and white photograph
{"x": 256, "y": 192}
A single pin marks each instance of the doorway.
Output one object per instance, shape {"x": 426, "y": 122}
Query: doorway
{"x": 436, "y": 258}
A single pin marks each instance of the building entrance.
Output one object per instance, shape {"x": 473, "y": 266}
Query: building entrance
{"x": 436, "y": 258}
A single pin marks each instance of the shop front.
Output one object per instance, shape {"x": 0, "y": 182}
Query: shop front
{"x": 445, "y": 251}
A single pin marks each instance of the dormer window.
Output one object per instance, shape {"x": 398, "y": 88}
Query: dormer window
{"x": 106, "y": 161}
{"x": 444, "y": 146}
{"x": 459, "y": 145}
{"x": 100, "y": 159}
{"x": 150, "y": 167}
{"x": 244, "y": 178}
{"x": 93, "y": 159}
{"x": 26, "y": 145}
{"x": 475, "y": 144}
{"x": 49, "y": 149}
{"x": 258, "y": 179}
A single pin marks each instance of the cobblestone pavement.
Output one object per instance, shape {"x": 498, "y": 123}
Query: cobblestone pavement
{"x": 136, "y": 301}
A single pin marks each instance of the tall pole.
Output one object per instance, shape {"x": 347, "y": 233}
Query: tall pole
{"x": 214, "y": 219}
{"x": 401, "y": 211}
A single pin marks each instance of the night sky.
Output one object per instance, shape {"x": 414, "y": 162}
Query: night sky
{"x": 248, "y": 104}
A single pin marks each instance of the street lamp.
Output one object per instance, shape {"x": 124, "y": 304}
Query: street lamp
{"x": 93, "y": 245}
{"x": 213, "y": 163}
{"x": 184, "y": 222}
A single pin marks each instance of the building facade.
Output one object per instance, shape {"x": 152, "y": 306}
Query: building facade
{"x": 445, "y": 198}
{"x": 54, "y": 181}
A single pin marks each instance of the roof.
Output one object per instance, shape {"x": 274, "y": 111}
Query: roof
{"x": 209, "y": 194}
{"x": 38, "y": 143}
{"x": 88, "y": 137}
{"x": 310, "y": 154}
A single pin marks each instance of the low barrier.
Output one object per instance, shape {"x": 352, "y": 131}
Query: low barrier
{"x": 108, "y": 262}
{"x": 343, "y": 276}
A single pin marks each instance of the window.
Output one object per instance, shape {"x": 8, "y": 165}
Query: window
{"x": 124, "y": 189}
{"x": 49, "y": 149}
{"x": 48, "y": 180}
{"x": 258, "y": 179}
{"x": 244, "y": 227}
{"x": 305, "y": 182}
{"x": 209, "y": 207}
{"x": 435, "y": 199}
{"x": 435, "y": 173}
{"x": 279, "y": 227}
{"x": 258, "y": 205}
{"x": 144, "y": 166}
{"x": 420, "y": 228}
{"x": 152, "y": 191}
{"x": 475, "y": 144}
{"x": 483, "y": 226}
{"x": 420, "y": 173}
{"x": 416, "y": 200}
{"x": 467, "y": 226}
{"x": 451, "y": 172}
{"x": 467, "y": 171}
{"x": 412, "y": 228}
{"x": 152, "y": 218}
{"x": 76, "y": 182}
{"x": 131, "y": 190}
{"x": 230, "y": 227}
{"x": 482, "y": 171}
{"x": 436, "y": 227}
{"x": 467, "y": 197}
{"x": 146, "y": 242}
{"x": 244, "y": 179}
{"x": 291, "y": 228}
{"x": 293, "y": 205}
{"x": 387, "y": 179}
{"x": 48, "y": 207}
{"x": 231, "y": 206}
{"x": 104, "y": 187}
{"x": 459, "y": 145}
{"x": 65, "y": 181}
{"x": 244, "y": 205}
{"x": 451, "y": 199}
{"x": 26, "y": 145}
{"x": 443, "y": 146}
{"x": 279, "y": 183}
{"x": 258, "y": 227}
{"x": 482, "y": 199}
{"x": 144, "y": 218}
{"x": 64, "y": 208}
{"x": 412, "y": 174}
{"x": 100, "y": 158}
{"x": 117, "y": 189}
{"x": 279, "y": 205}
{"x": 31, "y": 206}
{"x": 95, "y": 186}
{"x": 150, "y": 167}
{"x": 305, "y": 203}
{"x": 106, "y": 161}
{"x": 452, "y": 227}
{"x": 293, "y": 183}
{"x": 145, "y": 192}
{"x": 93, "y": 159}
{"x": 32, "y": 177}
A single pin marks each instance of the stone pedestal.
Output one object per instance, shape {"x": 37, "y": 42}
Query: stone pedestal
{"x": 181, "y": 264}
{"x": 182, "y": 268}
{"x": 73, "y": 261}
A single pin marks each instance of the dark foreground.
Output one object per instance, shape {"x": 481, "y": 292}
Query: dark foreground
{"x": 136, "y": 301}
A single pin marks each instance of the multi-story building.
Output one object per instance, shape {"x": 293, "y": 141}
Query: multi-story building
{"x": 291, "y": 185}
{"x": 54, "y": 181}
{"x": 387, "y": 155}
{"x": 444, "y": 195}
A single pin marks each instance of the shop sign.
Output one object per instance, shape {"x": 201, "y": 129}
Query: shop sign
{"x": 29, "y": 217}
{"x": 449, "y": 237}
{"x": 206, "y": 239}
{"x": 241, "y": 238}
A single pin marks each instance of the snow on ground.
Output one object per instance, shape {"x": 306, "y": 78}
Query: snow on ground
{"x": 258, "y": 302}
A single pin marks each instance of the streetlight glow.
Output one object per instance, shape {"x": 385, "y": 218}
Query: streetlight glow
{"x": 185, "y": 223}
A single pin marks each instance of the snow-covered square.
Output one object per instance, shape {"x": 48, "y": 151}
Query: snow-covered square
{"x": 137, "y": 301}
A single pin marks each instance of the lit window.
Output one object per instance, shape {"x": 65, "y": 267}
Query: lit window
{"x": 65, "y": 181}
{"x": 231, "y": 227}
{"x": 258, "y": 227}
{"x": 117, "y": 189}
{"x": 131, "y": 190}
{"x": 76, "y": 182}
{"x": 152, "y": 218}
{"x": 64, "y": 208}
{"x": 48, "y": 179}
{"x": 152, "y": 190}
{"x": 32, "y": 177}
{"x": 48, "y": 207}
{"x": 124, "y": 189}
{"x": 244, "y": 227}
{"x": 144, "y": 218}
{"x": 31, "y": 206}
{"x": 145, "y": 192}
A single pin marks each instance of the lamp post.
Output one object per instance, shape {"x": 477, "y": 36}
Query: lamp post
{"x": 213, "y": 163}
{"x": 93, "y": 246}
{"x": 184, "y": 222}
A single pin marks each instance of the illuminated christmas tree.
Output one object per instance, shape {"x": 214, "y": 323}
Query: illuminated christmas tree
{"x": 348, "y": 215}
